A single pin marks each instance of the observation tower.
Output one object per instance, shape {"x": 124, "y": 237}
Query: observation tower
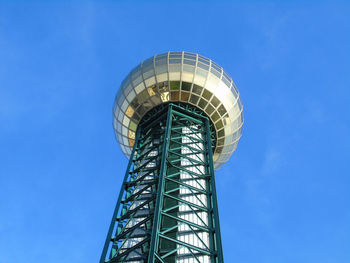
{"x": 177, "y": 117}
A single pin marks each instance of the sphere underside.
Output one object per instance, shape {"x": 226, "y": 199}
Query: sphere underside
{"x": 180, "y": 77}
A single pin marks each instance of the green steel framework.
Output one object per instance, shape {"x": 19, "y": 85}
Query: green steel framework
{"x": 147, "y": 219}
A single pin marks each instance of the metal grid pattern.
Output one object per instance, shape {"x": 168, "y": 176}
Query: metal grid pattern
{"x": 167, "y": 208}
{"x": 184, "y": 77}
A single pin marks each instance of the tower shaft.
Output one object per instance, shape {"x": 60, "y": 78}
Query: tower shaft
{"x": 167, "y": 207}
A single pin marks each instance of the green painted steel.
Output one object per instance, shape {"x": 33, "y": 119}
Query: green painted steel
{"x": 167, "y": 207}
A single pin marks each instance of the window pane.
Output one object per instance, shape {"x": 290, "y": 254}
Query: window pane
{"x": 174, "y": 85}
{"x": 185, "y": 96}
{"x": 207, "y": 94}
{"x": 222, "y": 110}
{"x": 186, "y": 86}
{"x": 194, "y": 99}
{"x": 202, "y": 103}
{"x": 215, "y": 101}
{"x": 197, "y": 89}
{"x": 175, "y": 95}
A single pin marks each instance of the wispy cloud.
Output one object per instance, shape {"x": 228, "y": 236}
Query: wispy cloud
{"x": 272, "y": 161}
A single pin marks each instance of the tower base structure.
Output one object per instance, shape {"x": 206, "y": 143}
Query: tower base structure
{"x": 167, "y": 208}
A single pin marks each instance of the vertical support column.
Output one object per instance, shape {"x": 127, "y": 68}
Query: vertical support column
{"x": 116, "y": 209}
{"x": 161, "y": 181}
{"x": 220, "y": 258}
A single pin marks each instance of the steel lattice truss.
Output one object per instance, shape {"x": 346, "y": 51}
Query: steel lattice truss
{"x": 167, "y": 207}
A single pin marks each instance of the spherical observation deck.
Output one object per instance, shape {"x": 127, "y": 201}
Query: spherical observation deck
{"x": 180, "y": 77}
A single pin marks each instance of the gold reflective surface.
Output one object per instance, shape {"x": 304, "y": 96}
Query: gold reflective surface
{"x": 186, "y": 77}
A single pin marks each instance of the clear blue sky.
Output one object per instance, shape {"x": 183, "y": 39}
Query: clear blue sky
{"x": 284, "y": 196}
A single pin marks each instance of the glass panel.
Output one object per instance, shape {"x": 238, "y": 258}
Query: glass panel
{"x": 121, "y": 99}
{"x": 209, "y": 110}
{"x": 203, "y": 66}
{"x": 189, "y": 55}
{"x": 132, "y": 126}
{"x": 240, "y": 104}
{"x": 124, "y": 106}
{"x": 131, "y": 142}
{"x": 221, "y": 142}
{"x": 163, "y": 86}
{"x": 125, "y": 140}
{"x": 147, "y": 63}
{"x": 227, "y": 76}
{"x": 221, "y": 133}
{"x": 136, "y": 72}
{"x": 123, "y": 147}
{"x": 143, "y": 96}
{"x": 218, "y": 150}
{"x": 126, "y": 121}
{"x": 235, "y": 124}
{"x": 227, "y": 149}
{"x": 149, "y": 82}
{"x": 152, "y": 90}
{"x": 137, "y": 81}
{"x": 162, "y": 77}
{"x": 164, "y": 96}
{"x": 128, "y": 89}
{"x": 186, "y": 86}
{"x": 228, "y": 139}
{"x": 119, "y": 127}
{"x": 215, "y": 116}
{"x": 147, "y": 68}
{"x": 131, "y": 95}
{"x": 175, "y": 54}
{"x": 202, "y": 72}
{"x": 235, "y": 88}
{"x": 135, "y": 103}
{"x": 186, "y": 76}
{"x": 175, "y": 95}
{"x": 219, "y": 125}
{"x": 148, "y": 74}
{"x": 216, "y": 73}
{"x": 174, "y": 75}
{"x": 215, "y": 101}
{"x": 202, "y": 103}
{"x": 203, "y": 59}
{"x": 190, "y": 62}
{"x": 207, "y": 94}
{"x": 162, "y": 69}
{"x": 141, "y": 110}
{"x": 147, "y": 105}
{"x": 216, "y": 66}
{"x": 174, "y": 61}
{"x": 131, "y": 134}
{"x": 120, "y": 138}
{"x": 136, "y": 117}
{"x": 161, "y": 59}
{"x": 197, "y": 89}
{"x": 226, "y": 81}
{"x": 175, "y": 68}
{"x": 188, "y": 68}
{"x": 129, "y": 111}
{"x": 185, "y": 96}
{"x": 156, "y": 100}
{"x": 194, "y": 99}
{"x": 174, "y": 85}
{"x": 226, "y": 120}
{"x": 120, "y": 116}
{"x": 235, "y": 94}
{"x": 222, "y": 110}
